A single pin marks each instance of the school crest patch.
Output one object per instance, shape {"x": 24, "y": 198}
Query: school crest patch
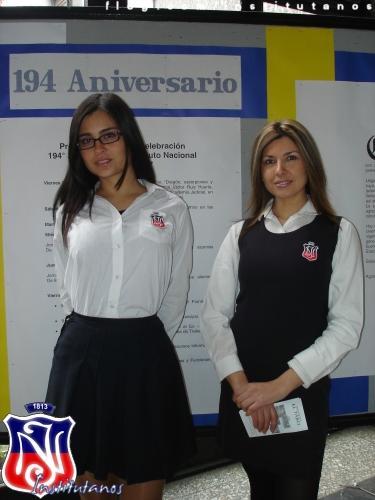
{"x": 310, "y": 251}
{"x": 157, "y": 220}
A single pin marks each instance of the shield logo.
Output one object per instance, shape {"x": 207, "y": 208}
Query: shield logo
{"x": 39, "y": 460}
{"x": 310, "y": 251}
{"x": 157, "y": 220}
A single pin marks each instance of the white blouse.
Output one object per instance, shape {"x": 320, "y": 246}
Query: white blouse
{"x": 128, "y": 265}
{"x": 345, "y": 302}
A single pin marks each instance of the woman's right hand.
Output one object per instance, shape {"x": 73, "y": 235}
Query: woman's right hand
{"x": 264, "y": 418}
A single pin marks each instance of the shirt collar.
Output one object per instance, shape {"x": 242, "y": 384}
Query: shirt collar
{"x": 307, "y": 209}
{"x": 150, "y": 186}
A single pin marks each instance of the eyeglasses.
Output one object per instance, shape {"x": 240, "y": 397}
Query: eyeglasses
{"x": 88, "y": 142}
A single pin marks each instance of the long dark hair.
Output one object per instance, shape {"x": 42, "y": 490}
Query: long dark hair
{"x": 317, "y": 181}
{"x": 78, "y": 186}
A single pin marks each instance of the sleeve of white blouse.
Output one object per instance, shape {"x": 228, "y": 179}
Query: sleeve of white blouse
{"x": 345, "y": 311}
{"x": 173, "y": 305}
{"x": 219, "y": 305}
{"x": 60, "y": 254}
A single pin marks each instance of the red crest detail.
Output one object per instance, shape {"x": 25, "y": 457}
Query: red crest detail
{"x": 39, "y": 460}
{"x": 310, "y": 251}
{"x": 157, "y": 220}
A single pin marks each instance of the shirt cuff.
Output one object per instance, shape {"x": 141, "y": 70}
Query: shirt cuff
{"x": 308, "y": 367}
{"x": 228, "y": 365}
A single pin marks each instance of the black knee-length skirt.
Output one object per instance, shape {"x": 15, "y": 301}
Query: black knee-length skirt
{"x": 120, "y": 380}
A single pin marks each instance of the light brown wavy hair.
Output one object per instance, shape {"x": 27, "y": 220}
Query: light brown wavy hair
{"x": 317, "y": 181}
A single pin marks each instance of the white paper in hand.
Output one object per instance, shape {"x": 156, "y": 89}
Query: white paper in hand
{"x": 291, "y": 419}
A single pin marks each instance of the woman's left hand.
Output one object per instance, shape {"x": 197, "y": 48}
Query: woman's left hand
{"x": 255, "y": 395}
{"x": 265, "y": 419}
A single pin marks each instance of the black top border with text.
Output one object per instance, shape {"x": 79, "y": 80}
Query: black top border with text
{"x": 197, "y": 16}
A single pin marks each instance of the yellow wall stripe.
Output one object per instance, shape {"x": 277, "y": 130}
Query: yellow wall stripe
{"x": 295, "y": 54}
{"x": 4, "y": 378}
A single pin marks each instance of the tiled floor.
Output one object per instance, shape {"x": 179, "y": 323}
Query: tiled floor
{"x": 349, "y": 459}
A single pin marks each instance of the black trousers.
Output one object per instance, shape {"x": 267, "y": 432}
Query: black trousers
{"x": 268, "y": 485}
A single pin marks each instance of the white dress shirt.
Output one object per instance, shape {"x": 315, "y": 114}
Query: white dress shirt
{"x": 128, "y": 265}
{"x": 345, "y": 302}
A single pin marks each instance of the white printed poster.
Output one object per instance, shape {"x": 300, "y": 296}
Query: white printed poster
{"x": 189, "y": 102}
{"x": 190, "y": 158}
{"x": 340, "y": 115}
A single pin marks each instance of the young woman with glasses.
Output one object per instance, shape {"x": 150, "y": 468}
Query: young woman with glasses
{"x": 123, "y": 252}
{"x": 284, "y": 305}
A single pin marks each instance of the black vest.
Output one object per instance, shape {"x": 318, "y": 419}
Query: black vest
{"x": 282, "y": 305}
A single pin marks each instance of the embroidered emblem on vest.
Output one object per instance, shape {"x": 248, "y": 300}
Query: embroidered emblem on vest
{"x": 157, "y": 220}
{"x": 310, "y": 251}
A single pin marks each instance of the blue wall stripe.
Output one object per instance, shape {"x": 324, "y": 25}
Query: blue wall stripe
{"x": 205, "y": 419}
{"x": 354, "y": 66}
{"x": 349, "y": 395}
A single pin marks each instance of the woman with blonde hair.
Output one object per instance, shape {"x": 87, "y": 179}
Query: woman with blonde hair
{"x": 284, "y": 306}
